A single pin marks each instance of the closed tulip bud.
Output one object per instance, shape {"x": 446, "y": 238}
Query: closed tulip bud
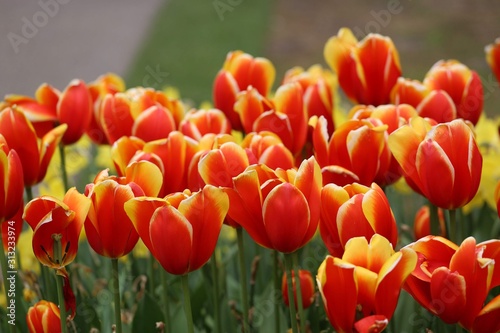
{"x": 43, "y": 317}
{"x": 306, "y": 288}
{"x": 422, "y": 223}
{"x": 197, "y": 123}
{"x": 493, "y": 57}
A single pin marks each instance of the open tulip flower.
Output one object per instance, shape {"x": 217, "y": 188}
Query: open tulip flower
{"x": 261, "y": 199}
{"x": 358, "y": 145}
{"x": 493, "y": 57}
{"x": 241, "y": 70}
{"x": 181, "y": 231}
{"x": 453, "y": 282}
{"x": 365, "y": 283}
{"x": 35, "y": 153}
{"x": 51, "y": 107}
{"x": 108, "y": 228}
{"x": 352, "y": 211}
{"x": 366, "y": 70}
{"x": 443, "y": 162}
{"x": 462, "y": 85}
{"x": 268, "y": 149}
{"x": 43, "y": 317}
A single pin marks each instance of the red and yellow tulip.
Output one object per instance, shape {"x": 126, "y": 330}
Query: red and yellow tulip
{"x": 442, "y": 162}
{"x": 352, "y": 211}
{"x": 365, "y": 283}
{"x": 422, "y": 223}
{"x": 43, "y": 317}
{"x": 197, "y": 123}
{"x": 182, "y": 230}
{"x": 261, "y": 199}
{"x": 12, "y": 186}
{"x": 268, "y": 149}
{"x": 493, "y": 57}
{"x": 35, "y": 153}
{"x": 453, "y": 282}
{"x": 367, "y": 70}
{"x": 306, "y": 288}
{"x": 241, "y": 70}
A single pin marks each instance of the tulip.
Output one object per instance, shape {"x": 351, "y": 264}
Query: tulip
{"x": 241, "y": 70}
{"x": 12, "y": 182}
{"x": 422, "y": 223}
{"x": 34, "y": 153}
{"x": 43, "y": 317}
{"x": 352, "y": 211}
{"x": 181, "y": 231}
{"x": 268, "y": 149}
{"x": 306, "y": 287}
{"x": 197, "y": 123}
{"x": 72, "y": 107}
{"x": 109, "y": 230}
{"x": 360, "y": 146}
{"x": 462, "y": 84}
{"x": 364, "y": 283}
{"x": 407, "y": 91}
{"x": 260, "y": 201}
{"x": 443, "y": 162}
{"x": 367, "y": 70}
{"x": 493, "y": 57}
{"x": 453, "y": 282}
{"x": 318, "y": 86}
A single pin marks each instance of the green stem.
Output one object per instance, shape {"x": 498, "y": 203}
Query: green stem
{"x": 216, "y": 293}
{"x": 453, "y": 226}
{"x": 64, "y": 172}
{"x": 29, "y": 193}
{"x": 302, "y": 319}
{"x": 166, "y": 303}
{"x": 151, "y": 282}
{"x": 3, "y": 262}
{"x": 62, "y": 304}
{"x": 187, "y": 303}
{"x": 291, "y": 300}
{"x": 116, "y": 294}
{"x": 277, "y": 288}
{"x": 434, "y": 219}
{"x": 243, "y": 279}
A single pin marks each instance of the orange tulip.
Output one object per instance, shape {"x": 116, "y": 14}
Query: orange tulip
{"x": 360, "y": 146}
{"x": 35, "y": 154}
{"x": 48, "y": 216}
{"x": 318, "y": 85}
{"x": 241, "y": 70}
{"x": 364, "y": 283}
{"x": 268, "y": 149}
{"x": 261, "y": 199}
{"x": 453, "y": 282}
{"x": 12, "y": 186}
{"x": 493, "y": 57}
{"x": 181, "y": 231}
{"x": 43, "y": 317}
{"x": 352, "y": 211}
{"x": 72, "y": 107}
{"x": 462, "y": 84}
{"x": 109, "y": 230}
{"x": 306, "y": 288}
{"x": 367, "y": 70}
{"x": 422, "y": 223}
{"x": 197, "y": 123}
{"x": 443, "y": 162}
{"x": 407, "y": 91}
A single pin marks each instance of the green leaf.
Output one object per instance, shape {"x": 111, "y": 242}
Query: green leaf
{"x": 147, "y": 315}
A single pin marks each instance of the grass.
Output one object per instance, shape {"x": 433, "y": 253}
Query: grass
{"x": 189, "y": 40}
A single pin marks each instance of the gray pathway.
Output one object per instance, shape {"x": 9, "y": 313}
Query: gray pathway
{"x": 55, "y": 41}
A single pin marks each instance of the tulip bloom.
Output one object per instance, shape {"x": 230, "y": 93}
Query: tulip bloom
{"x": 352, "y": 211}
{"x": 268, "y": 149}
{"x": 453, "y": 281}
{"x": 364, "y": 283}
{"x": 318, "y": 85}
{"x": 197, "y": 123}
{"x": 35, "y": 154}
{"x": 493, "y": 57}
{"x": 306, "y": 288}
{"x": 366, "y": 70}
{"x": 43, "y": 317}
{"x": 261, "y": 199}
{"x": 180, "y": 231}
{"x": 443, "y": 162}
{"x": 422, "y": 223}
{"x": 359, "y": 146}
{"x": 462, "y": 84}
{"x": 241, "y": 70}
{"x": 12, "y": 182}
{"x": 109, "y": 230}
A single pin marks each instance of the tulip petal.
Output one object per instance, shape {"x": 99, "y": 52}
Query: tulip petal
{"x": 448, "y": 291}
{"x": 487, "y": 320}
{"x": 147, "y": 175}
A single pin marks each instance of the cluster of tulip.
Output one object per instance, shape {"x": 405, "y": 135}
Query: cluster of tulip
{"x": 279, "y": 167}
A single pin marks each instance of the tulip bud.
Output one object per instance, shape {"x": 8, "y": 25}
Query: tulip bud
{"x": 306, "y": 288}
{"x": 43, "y": 317}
